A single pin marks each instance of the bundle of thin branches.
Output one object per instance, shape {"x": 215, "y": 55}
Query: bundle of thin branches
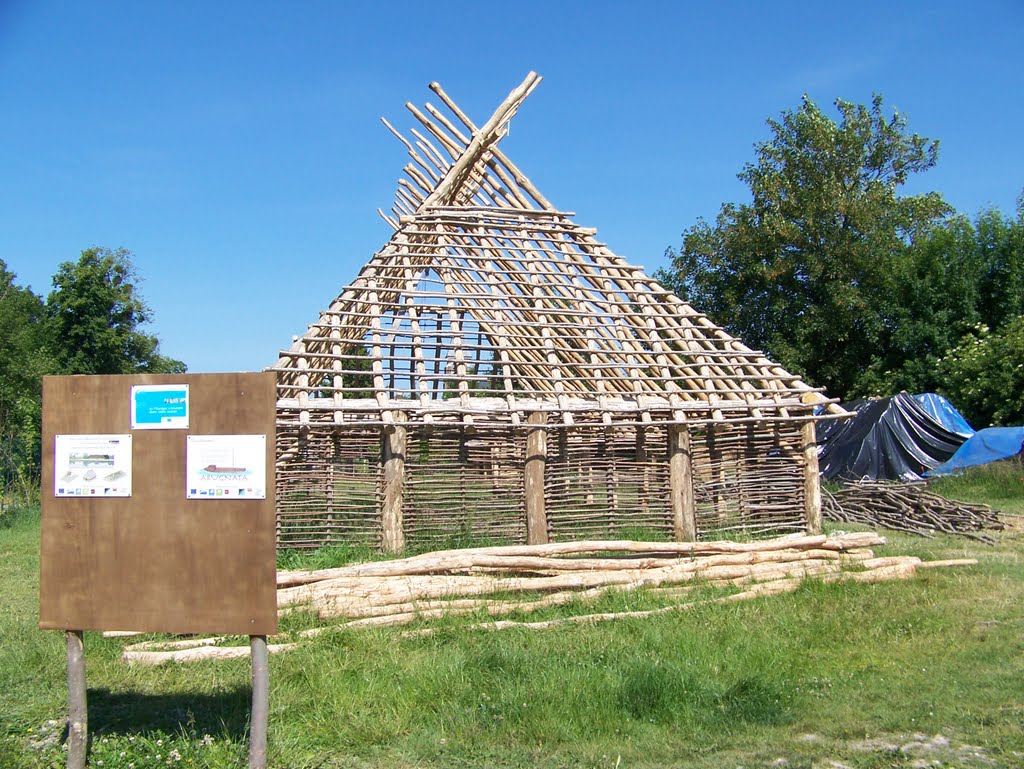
{"x": 909, "y": 507}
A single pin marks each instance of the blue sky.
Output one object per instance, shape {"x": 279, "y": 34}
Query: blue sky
{"x": 235, "y": 148}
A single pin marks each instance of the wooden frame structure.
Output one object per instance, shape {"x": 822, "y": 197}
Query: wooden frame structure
{"x": 495, "y": 372}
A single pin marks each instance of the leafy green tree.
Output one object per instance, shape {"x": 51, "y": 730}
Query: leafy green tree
{"x": 23, "y": 361}
{"x": 936, "y": 297}
{"x": 1000, "y": 242}
{"x": 809, "y": 269}
{"x": 984, "y": 375}
{"x": 959, "y": 275}
{"x": 96, "y": 313}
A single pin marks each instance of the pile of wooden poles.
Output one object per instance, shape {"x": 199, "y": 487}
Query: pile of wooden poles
{"x": 498, "y": 581}
{"x": 908, "y": 507}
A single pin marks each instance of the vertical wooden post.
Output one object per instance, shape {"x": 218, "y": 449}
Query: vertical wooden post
{"x": 611, "y": 486}
{"x": 260, "y": 703}
{"x": 680, "y": 473}
{"x": 332, "y": 462}
{"x": 394, "y": 448}
{"x": 78, "y": 718}
{"x": 494, "y": 467}
{"x": 747, "y": 496}
{"x": 563, "y": 458}
{"x": 642, "y": 459}
{"x": 612, "y": 493}
{"x": 812, "y": 479}
{"x": 718, "y": 474}
{"x": 465, "y": 475}
{"x": 536, "y": 458}
{"x": 329, "y": 492}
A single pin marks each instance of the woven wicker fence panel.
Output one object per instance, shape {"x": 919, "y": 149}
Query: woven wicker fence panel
{"x": 748, "y": 480}
{"x": 605, "y": 483}
{"x": 464, "y": 487}
{"x": 329, "y": 492}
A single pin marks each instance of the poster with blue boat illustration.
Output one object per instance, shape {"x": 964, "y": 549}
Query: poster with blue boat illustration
{"x": 226, "y": 467}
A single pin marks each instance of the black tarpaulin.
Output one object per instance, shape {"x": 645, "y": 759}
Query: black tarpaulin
{"x": 887, "y": 439}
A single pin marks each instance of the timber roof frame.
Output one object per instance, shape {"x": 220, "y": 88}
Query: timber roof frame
{"x": 488, "y": 303}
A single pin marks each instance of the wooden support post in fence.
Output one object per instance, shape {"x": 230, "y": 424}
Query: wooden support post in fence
{"x": 536, "y": 458}
{"x": 717, "y": 474}
{"x": 78, "y": 719}
{"x": 393, "y": 455}
{"x": 680, "y": 469}
{"x": 747, "y": 462}
{"x": 645, "y": 479}
{"x": 332, "y": 463}
{"x": 812, "y": 479}
{"x": 611, "y": 484}
{"x": 612, "y": 488}
{"x": 563, "y": 458}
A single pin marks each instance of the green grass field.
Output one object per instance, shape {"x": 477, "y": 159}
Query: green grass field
{"x": 928, "y": 672}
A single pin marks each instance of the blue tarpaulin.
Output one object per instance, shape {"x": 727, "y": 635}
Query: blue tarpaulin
{"x": 943, "y": 411}
{"x": 988, "y": 445}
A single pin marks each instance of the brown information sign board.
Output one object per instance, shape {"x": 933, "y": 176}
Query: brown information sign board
{"x": 126, "y": 544}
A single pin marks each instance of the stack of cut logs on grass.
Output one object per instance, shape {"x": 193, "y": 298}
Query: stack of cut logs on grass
{"x": 908, "y": 507}
{"x": 519, "y": 579}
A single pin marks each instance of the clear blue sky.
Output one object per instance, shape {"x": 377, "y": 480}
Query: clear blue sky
{"x": 235, "y": 148}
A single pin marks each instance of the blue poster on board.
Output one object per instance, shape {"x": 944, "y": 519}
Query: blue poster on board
{"x": 160, "y": 407}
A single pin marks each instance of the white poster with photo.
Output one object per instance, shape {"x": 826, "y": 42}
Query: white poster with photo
{"x": 92, "y": 466}
{"x": 226, "y": 467}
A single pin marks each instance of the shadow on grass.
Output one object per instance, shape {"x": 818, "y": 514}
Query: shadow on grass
{"x": 225, "y": 714}
{"x": 651, "y": 691}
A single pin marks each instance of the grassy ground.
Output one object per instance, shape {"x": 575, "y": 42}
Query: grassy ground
{"x": 884, "y": 675}
{"x": 1000, "y": 484}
